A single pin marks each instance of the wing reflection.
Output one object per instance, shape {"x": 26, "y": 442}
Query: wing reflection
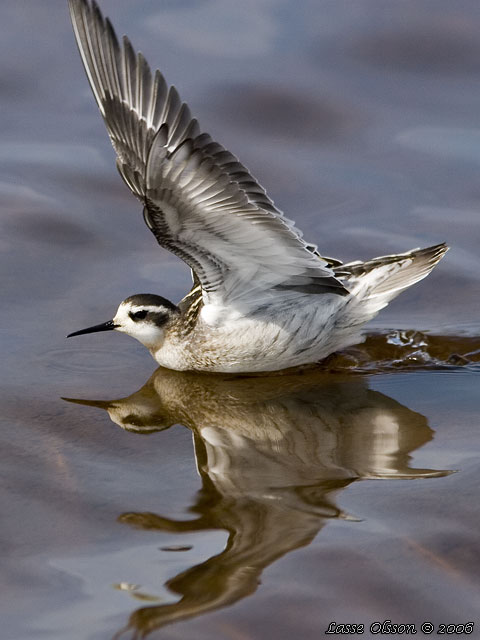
{"x": 272, "y": 453}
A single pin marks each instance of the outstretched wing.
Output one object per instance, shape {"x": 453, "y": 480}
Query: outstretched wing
{"x": 200, "y": 202}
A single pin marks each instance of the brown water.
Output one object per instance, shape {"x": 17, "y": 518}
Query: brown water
{"x": 291, "y": 508}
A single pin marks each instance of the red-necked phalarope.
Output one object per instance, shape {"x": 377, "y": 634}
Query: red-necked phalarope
{"x": 263, "y": 299}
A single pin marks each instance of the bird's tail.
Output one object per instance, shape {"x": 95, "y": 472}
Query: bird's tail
{"x": 375, "y": 282}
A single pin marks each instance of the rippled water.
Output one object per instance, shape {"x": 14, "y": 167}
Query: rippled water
{"x": 362, "y": 121}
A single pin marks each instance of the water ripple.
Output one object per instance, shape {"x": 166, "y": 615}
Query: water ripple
{"x": 85, "y": 360}
{"x": 407, "y": 349}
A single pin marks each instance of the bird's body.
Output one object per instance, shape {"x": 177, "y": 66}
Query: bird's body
{"x": 278, "y": 335}
{"x": 263, "y": 299}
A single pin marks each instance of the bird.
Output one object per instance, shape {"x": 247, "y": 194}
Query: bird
{"x": 263, "y": 299}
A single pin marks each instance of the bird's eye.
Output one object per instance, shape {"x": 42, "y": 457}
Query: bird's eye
{"x": 138, "y": 315}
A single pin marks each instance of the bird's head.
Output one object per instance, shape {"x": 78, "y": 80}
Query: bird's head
{"x": 143, "y": 316}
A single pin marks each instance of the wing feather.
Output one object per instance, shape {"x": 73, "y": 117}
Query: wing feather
{"x": 200, "y": 202}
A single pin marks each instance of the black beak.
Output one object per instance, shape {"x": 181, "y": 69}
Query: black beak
{"x": 106, "y": 326}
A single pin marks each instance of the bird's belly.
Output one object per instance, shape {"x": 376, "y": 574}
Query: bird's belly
{"x": 258, "y": 343}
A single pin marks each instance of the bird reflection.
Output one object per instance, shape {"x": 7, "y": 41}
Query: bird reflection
{"x": 273, "y": 454}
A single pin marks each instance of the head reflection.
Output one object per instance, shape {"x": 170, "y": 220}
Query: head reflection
{"x": 273, "y": 453}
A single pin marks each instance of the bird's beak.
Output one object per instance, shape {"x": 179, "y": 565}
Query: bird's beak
{"x": 106, "y": 326}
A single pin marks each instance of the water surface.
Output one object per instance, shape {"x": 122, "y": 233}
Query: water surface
{"x": 188, "y": 506}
